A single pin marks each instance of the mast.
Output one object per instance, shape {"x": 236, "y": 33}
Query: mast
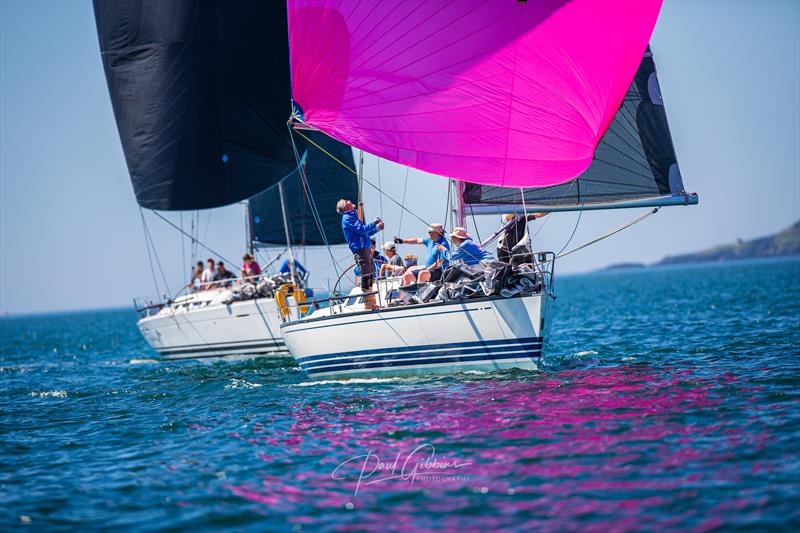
{"x": 361, "y": 185}
{"x": 248, "y": 228}
{"x": 458, "y": 216}
{"x": 286, "y": 230}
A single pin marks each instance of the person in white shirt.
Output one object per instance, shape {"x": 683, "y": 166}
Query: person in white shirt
{"x": 208, "y": 274}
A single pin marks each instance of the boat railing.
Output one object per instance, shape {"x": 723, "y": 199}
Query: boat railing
{"x": 144, "y": 306}
{"x": 545, "y": 265}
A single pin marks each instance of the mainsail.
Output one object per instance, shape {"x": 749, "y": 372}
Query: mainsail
{"x": 201, "y": 94}
{"x": 634, "y": 164}
{"x": 327, "y": 182}
{"x": 505, "y": 93}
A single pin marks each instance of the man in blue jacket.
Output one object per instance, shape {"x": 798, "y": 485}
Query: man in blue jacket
{"x": 357, "y": 234}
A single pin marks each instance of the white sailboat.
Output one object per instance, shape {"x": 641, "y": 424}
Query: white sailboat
{"x": 548, "y": 84}
{"x": 203, "y": 324}
{"x": 201, "y": 92}
{"x": 481, "y": 333}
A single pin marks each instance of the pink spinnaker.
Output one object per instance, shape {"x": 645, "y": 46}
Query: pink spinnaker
{"x": 498, "y": 92}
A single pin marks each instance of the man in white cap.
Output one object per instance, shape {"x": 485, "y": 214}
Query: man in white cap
{"x": 394, "y": 263}
{"x": 438, "y": 256}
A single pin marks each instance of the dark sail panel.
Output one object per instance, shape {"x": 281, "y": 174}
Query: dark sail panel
{"x": 328, "y": 182}
{"x": 200, "y": 91}
{"x": 635, "y": 160}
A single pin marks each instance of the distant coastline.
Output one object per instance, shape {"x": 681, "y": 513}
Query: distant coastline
{"x": 782, "y": 244}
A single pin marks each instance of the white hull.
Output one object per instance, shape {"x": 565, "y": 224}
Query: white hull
{"x": 201, "y": 326}
{"x": 483, "y": 334}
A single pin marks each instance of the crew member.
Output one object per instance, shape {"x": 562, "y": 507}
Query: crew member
{"x": 357, "y": 235}
{"x": 513, "y": 235}
{"x": 438, "y": 256}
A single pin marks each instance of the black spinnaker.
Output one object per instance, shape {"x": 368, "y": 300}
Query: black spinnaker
{"x": 201, "y": 95}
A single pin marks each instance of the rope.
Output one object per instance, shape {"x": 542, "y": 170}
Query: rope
{"x": 155, "y": 251}
{"x": 275, "y": 260}
{"x": 149, "y": 257}
{"x": 228, "y": 261}
{"x": 447, "y": 207}
{"x": 310, "y": 196}
{"x": 577, "y": 222}
{"x": 208, "y": 224}
{"x": 525, "y": 214}
{"x": 475, "y": 223}
{"x": 402, "y": 211}
{"x": 609, "y": 234}
{"x": 324, "y": 151}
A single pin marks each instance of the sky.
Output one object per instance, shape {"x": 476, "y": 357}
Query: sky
{"x": 70, "y": 229}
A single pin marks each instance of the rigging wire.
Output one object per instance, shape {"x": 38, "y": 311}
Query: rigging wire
{"x": 580, "y": 215}
{"x": 578, "y": 221}
{"x": 149, "y": 256}
{"x": 213, "y": 252}
{"x": 475, "y": 223}
{"x": 365, "y": 180}
{"x": 183, "y": 248}
{"x": 191, "y": 243}
{"x": 576, "y": 181}
{"x": 155, "y": 251}
{"x": 525, "y": 214}
{"x": 309, "y": 194}
{"x": 610, "y": 233}
{"x": 402, "y": 211}
{"x": 208, "y": 224}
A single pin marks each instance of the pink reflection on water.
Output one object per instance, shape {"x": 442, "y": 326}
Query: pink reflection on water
{"x": 618, "y": 445}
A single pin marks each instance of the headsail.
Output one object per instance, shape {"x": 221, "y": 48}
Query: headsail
{"x": 328, "y": 181}
{"x": 200, "y": 90}
{"x": 634, "y": 164}
{"x": 507, "y": 93}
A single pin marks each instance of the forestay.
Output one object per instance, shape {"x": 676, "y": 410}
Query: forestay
{"x": 505, "y": 93}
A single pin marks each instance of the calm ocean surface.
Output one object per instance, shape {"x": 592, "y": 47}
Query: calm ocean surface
{"x": 670, "y": 399}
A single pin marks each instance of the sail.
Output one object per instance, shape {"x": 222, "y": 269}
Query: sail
{"x": 328, "y": 181}
{"x": 634, "y": 164}
{"x": 200, "y": 92}
{"x": 506, "y": 93}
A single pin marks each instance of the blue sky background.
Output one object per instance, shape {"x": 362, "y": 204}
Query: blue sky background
{"x": 71, "y": 236}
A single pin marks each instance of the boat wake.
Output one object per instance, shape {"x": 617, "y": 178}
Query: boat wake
{"x": 241, "y": 384}
{"x": 353, "y": 381}
{"x": 143, "y": 361}
{"x": 50, "y": 394}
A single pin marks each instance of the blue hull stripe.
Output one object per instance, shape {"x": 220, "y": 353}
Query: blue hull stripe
{"x": 518, "y": 343}
{"x": 277, "y": 345}
{"x": 528, "y": 347}
{"x": 480, "y": 358}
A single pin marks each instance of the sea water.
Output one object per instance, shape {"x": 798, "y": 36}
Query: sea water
{"x": 669, "y": 400}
